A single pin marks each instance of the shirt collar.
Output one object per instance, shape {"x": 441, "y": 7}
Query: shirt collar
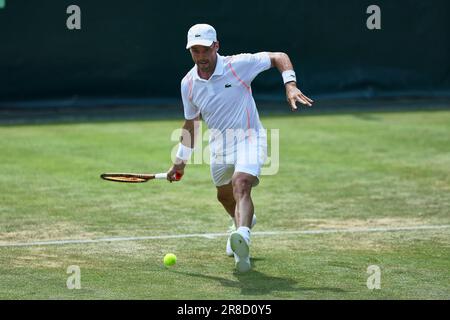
{"x": 217, "y": 72}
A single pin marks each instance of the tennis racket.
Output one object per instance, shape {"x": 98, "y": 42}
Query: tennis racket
{"x": 136, "y": 177}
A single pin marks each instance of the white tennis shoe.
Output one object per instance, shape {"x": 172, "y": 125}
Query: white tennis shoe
{"x": 241, "y": 249}
{"x": 230, "y": 252}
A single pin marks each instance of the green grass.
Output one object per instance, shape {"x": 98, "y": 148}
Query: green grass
{"x": 336, "y": 171}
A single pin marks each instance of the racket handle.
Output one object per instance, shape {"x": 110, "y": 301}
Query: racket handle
{"x": 178, "y": 176}
{"x": 164, "y": 176}
{"x": 161, "y": 175}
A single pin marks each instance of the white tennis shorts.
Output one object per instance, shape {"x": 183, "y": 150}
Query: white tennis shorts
{"x": 246, "y": 156}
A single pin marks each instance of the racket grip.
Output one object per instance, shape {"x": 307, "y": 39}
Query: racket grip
{"x": 178, "y": 176}
{"x": 161, "y": 176}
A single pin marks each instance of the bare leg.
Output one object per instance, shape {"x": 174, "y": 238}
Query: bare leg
{"x": 242, "y": 187}
{"x": 226, "y": 198}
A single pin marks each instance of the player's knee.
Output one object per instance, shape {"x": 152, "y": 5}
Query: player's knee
{"x": 242, "y": 187}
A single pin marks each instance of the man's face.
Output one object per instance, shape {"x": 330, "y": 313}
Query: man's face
{"x": 205, "y": 57}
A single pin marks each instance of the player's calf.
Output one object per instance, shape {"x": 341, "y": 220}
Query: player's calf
{"x": 242, "y": 186}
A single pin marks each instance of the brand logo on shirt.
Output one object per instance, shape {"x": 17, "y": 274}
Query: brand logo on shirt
{"x": 198, "y": 35}
{"x": 228, "y": 85}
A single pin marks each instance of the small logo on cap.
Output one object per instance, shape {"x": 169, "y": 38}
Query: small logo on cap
{"x": 227, "y": 85}
{"x": 198, "y": 35}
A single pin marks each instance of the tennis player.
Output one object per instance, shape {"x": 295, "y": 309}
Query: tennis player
{"x": 218, "y": 90}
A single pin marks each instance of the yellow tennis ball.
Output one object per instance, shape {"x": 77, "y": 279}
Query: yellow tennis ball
{"x": 170, "y": 259}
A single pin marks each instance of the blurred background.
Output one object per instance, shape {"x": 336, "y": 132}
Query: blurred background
{"x": 133, "y": 53}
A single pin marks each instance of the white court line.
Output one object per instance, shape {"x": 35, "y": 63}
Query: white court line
{"x": 215, "y": 235}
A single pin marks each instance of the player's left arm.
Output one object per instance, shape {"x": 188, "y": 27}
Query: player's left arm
{"x": 281, "y": 61}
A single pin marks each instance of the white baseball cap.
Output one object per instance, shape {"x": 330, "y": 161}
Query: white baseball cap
{"x": 202, "y": 35}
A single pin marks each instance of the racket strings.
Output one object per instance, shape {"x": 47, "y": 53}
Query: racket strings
{"x": 125, "y": 178}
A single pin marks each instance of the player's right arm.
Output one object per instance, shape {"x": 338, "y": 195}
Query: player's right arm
{"x": 192, "y": 116}
{"x": 186, "y": 140}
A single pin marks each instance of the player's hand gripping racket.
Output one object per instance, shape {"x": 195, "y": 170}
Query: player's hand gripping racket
{"x": 136, "y": 177}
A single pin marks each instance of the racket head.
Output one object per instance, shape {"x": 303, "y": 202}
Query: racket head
{"x": 127, "y": 177}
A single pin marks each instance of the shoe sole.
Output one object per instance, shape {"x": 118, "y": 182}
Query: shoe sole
{"x": 229, "y": 253}
{"x": 241, "y": 249}
{"x": 243, "y": 266}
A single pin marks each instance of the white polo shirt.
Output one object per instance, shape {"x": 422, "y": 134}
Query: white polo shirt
{"x": 225, "y": 101}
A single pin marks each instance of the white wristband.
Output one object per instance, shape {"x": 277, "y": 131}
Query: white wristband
{"x": 184, "y": 153}
{"x": 289, "y": 76}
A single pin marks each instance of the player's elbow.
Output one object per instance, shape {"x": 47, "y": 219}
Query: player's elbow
{"x": 277, "y": 58}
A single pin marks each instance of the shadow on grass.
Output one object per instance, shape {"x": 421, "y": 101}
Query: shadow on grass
{"x": 258, "y": 283}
